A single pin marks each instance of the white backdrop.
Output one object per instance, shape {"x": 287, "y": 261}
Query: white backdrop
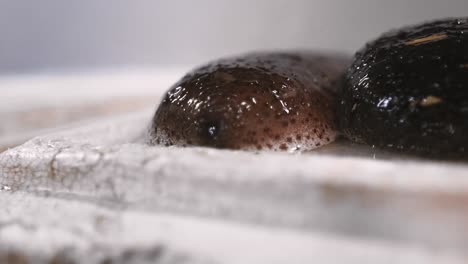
{"x": 63, "y": 35}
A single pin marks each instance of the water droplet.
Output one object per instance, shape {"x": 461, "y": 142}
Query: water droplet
{"x": 383, "y": 103}
{"x": 451, "y": 129}
{"x": 5, "y": 188}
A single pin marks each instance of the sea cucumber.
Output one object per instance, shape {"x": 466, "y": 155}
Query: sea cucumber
{"x": 259, "y": 101}
{"x": 408, "y": 90}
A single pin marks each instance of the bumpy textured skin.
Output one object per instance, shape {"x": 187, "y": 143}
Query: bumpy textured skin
{"x": 408, "y": 90}
{"x": 261, "y": 101}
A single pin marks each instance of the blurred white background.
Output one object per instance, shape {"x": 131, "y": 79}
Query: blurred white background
{"x": 62, "y": 35}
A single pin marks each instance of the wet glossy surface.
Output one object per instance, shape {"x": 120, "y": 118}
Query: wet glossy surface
{"x": 408, "y": 90}
{"x": 262, "y": 101}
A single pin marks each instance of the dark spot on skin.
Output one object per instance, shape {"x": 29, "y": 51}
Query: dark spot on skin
{"x": 283, "y": 147}
{"x": 289, "y": 139}
{"x": 212, "y": 130}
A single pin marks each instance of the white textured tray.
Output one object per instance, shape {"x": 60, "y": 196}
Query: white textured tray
{"x": 225, "y": 206}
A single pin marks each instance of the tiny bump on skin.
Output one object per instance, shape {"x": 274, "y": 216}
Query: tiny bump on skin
{"x": 212, "y": 106}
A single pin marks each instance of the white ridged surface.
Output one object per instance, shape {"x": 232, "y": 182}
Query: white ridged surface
{"x": 89, "y": 234}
